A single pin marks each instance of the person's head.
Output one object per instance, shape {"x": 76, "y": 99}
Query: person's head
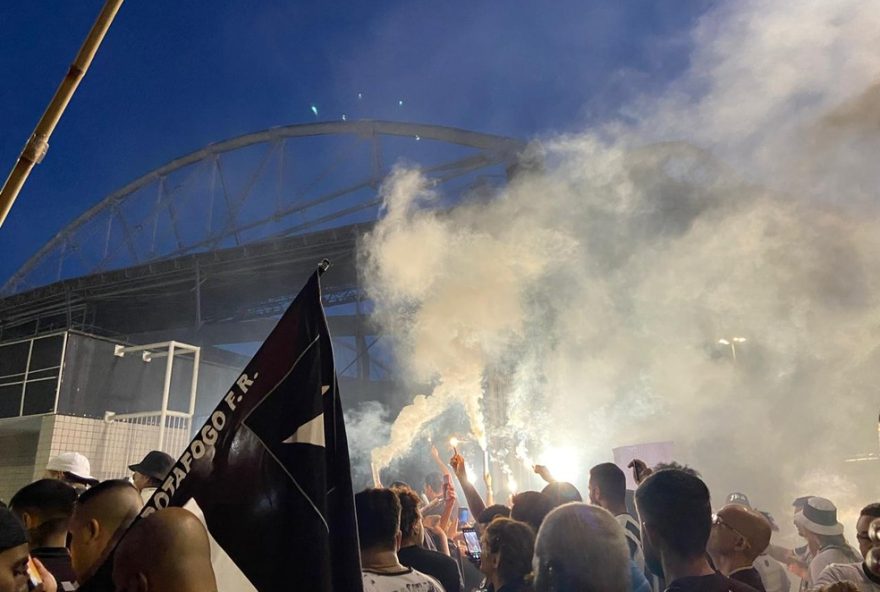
{"x": 531, "y": 507}
{"x": 411, "y": 531}
{"x": 45, "y": 508}
{"x": 799, "y": 503}
{"x": 179, "y": 559}
{"x": 433, "y": 485}
{"x": 817, "y": 523}
{"x": 608, "y": 487}
{"x": 562, "y": 492}
{"x": 101, "y": 515}
{"x": 581, "y": 548}
{"x": 507, "y": 549}
{"x": 378, "y": 518}
{"x": 676, "y": 516}
{"x": 868, "y": 514}
{"x": 150, "y": 472}
{"x": 491, "y": 513}
{"x": 739, "y": 534}
{"x": 13, "y": 553}
{"x": 73, "y": 468}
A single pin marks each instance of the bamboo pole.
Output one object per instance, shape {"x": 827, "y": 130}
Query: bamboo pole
{"x": 38, "y": 144}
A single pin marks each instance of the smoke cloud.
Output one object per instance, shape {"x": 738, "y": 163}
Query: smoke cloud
{"x": 598, "y": 293}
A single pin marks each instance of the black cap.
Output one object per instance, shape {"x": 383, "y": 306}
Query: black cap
{"x": 12, "y": 533}
{"x": 156, "y": 464}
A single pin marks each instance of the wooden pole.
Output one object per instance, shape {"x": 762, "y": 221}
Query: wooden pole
{"x": 38, "y": 144}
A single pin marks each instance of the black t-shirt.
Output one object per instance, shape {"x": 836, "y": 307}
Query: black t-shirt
{"x": 434, "y": 564}
{"x": 711, "y": 583}
{"x": 750, "y": 577}
{"x": 57, "y": 562}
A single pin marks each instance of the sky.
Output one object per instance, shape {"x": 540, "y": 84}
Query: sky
{"x": 172, "y": 77}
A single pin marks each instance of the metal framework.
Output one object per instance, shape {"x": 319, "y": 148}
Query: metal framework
{"x": 209, "y": 248}
{"x": 261, "y": 185}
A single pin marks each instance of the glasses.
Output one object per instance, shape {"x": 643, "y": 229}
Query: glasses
{"x": 719, "y": 521}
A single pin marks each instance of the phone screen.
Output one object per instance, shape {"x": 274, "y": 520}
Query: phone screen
{"x": 464, "y": 516}
{"x": 472, "y": 541}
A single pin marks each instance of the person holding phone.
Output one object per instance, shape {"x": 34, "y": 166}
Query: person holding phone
{"x": 18, "y": 571}
{"x": 412, "y": 554}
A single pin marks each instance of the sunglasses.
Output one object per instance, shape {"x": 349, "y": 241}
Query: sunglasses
{"x": 719, "y": 521}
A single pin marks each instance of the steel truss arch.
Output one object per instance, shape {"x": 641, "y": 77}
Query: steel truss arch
{"x": 134, "y": 226}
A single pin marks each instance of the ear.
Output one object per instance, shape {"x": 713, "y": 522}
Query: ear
{"x": 397, "y": 539}
{"x": 28, "y": 520}
{"x": 142, "y": 585}
{"x": 93, "y": 529}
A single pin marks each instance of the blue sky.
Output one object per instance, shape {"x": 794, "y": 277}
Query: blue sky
{"x": 172, "y": 77}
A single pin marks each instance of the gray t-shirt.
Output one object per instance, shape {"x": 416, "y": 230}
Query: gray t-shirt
{"x": 827, "y": 556}
{"x": 846, "y": 572}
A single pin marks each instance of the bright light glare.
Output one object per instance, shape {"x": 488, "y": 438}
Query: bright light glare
{"x": 564, "y": 463}
{"x": 740, "y": 339}
{"x": 453, "y": 441}
{"x": 512, "y": 486}
{"x": 723, "y": 342}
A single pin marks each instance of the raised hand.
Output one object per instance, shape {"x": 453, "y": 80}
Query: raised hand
{"x": 640, "y": 470}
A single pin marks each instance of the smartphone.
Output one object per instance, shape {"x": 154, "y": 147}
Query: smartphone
{"x": 34, "y": 578}
{"x": 464, "y": 516}
{"x": 447, "y": 486}
{"x": 472, "y": 543}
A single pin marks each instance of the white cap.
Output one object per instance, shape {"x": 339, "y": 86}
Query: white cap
{"x": 71, "y": 462}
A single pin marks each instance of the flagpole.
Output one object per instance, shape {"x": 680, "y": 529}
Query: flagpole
{"x": 38, "y": 144}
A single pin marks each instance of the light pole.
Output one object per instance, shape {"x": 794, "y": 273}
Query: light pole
{"x": 732, "y": 343}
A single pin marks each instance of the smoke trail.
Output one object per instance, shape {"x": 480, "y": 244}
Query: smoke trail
{"x": 739, "y": 204}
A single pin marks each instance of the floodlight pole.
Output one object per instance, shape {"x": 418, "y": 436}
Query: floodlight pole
{"x": 38, "y": 144}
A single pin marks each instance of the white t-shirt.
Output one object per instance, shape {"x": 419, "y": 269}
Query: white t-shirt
{"x": 773, "y": 574}
{"x": 633, "y": 539}
{"x": 408, "y": 580}
{"x": 846, "y": 572}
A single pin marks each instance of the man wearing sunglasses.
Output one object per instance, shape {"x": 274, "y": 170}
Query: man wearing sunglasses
{"x": 739, "y": 535}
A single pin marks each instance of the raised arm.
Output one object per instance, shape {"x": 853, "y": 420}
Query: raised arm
{"x": 474, "y": 501}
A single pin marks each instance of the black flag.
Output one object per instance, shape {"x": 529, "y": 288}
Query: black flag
{"x": 270, "y": 468}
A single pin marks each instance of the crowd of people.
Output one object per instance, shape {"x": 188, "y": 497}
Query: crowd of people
{"x": 65, "y": 532}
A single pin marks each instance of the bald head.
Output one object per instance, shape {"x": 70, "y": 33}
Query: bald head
{"x": 179, "y": 559}
{"x": 100, "y": 516}
{"x": 739, "y": 535}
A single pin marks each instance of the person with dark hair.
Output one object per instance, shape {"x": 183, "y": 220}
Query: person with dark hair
{"x": 100, "y": 517}
{"x": 797, "y": 560}
{"x": 14, "y": 558}
{"x": 824, "y": 534}
{"x": 45, "y": 508}
{"x": 531, "y": 507}
{"x": 562, "y": 492}
{"x": 507, "y": 550}
{"x": 739, "y": 535}
{"x": 676, "y": 515}
{"x": 489, "y": 514}
{"x": 581, "y": 548}
{"x": 607, "y": 489}
{"x": 179, "y": 559}
{"x": 378, "y": 517}
{"x": 411, "y": 553}
{"x": 148, "y": 474}
{"x": 856, "y": 573}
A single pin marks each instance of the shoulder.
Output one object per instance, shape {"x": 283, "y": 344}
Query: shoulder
{"x": 435, "y": 584}
{"x": 839, "y": 572}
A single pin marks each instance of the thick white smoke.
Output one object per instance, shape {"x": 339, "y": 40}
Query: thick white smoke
{"x": 740, "y": 203}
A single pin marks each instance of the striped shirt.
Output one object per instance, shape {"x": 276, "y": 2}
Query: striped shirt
{"x": 633, "y": 538}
